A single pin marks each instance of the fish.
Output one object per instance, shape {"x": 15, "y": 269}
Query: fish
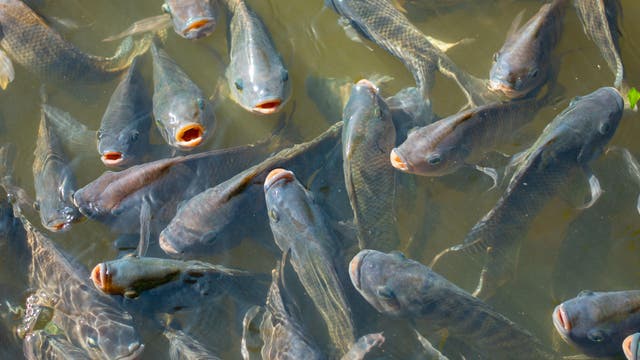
{"x": 41, "y": 345}
{"x": 445, "y": 146}
{"x": 123, "y": 137}
{"x": 28, "y": 40}
{"x": 599, "y": 20}
{"x": 184, "y": 347}
{"x": 368, "y": 136}
{"x": 422, "y": 55}
{"x": 53, "y": 180}
{"x": 630, "y": 346}
{"x": 524, "y": 62}
{"x": 598, "y": 322}
{"x": 403, "y": 288}
{"x": 191, "y": 19}
{"x": 256, "y": 76}
{"x": 200, "y": 222}
{"x": 183, "y": 113}
{"x": 567, "y": 145}
{"x": 299, "y": 226}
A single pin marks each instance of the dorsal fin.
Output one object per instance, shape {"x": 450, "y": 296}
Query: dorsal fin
{"x": 515, "y": 25}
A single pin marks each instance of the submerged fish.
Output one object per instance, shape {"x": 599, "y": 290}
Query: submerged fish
{"x": 523, "y": 64}
{"x": 400, "y": 287}
{"x": 256, "y": 76}
{"x": 41, "y": 345}
{"x": 183, "y": 113}
{"x": 28, "y": 40}
{"x": 630, "y": 346}
{"x": 53, "y": 180}
{"x": 299, "y": 226}
{"x": 567, "y": 145}
{"x": 598, "y": 322}
{"x": 123, "y": 137}
{"x": 184, "y": 347}
{"x": 368, "y": 135}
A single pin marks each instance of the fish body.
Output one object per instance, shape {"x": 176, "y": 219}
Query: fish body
{"x": 123, "y": 137}
{"x": 183, "y": 113}
{"x": 40, "y": 345}
{"x": 401, "y": 287}
{"x": 598, "y": 322}
{"x": 444, "y": 146}
{"x": 192, "y": 19}
{"x": 53, "y": 180}
{"x": 600, "y": 23}
{"x": 368, "y": 135}
{"x": 257, "y": 77}
{"x": 184, "y": 347}
{"x": 28, "y": 40}
{"x": 523, "y": 64}
{"x": 131, "y": 274}
{"x": 568, "y": 144}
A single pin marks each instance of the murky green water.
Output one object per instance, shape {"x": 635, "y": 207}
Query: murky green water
{"x": 312, "y": 42}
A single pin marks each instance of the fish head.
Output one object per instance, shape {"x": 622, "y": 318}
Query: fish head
{"x": 597, "y": 323}
{"x": 190, "y": 121}
{"x": 102, "y": 277}
{"x": 515, "y": 75}
{"x": 630, "y": 347}
{"x": 123, "y": 148}
{"x": 259, "y": 82}
{"x": 192, "y": 19}
{"x": 388, "y": 281}
{"x": 109, "y": 339}
{"x": 57, "y": 213}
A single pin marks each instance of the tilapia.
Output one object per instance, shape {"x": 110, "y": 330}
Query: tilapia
{"x": 256, "y": 75}
{"x": 184, "y": 347}
{"x": 53, "y": 180}
{"x": 600, "y": 23}
{"x": 598, "y": 322}
{"x": 401, "y": 287}
{"x": 123, "y": 137}
{"x": 40, "y": 345}
{"x": 524, "y": 62}
{"x": 566, "y": 146}
{"x": 183, "y": 113}
{"x": 299, "y": 226}
{"x": 368, "y": 135}
{"x": 30, "y": 41}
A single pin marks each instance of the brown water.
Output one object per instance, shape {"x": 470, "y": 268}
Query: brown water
{"x": 311, "y": 42}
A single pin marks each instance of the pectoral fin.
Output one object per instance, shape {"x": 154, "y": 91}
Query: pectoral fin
{"x": 445, "y": 46}
{"x": 497, "y": 271}
{"x": 490, "y": 172}
{"x": 352, "y": 33}
{"x": 594, "y": 187}
{"x": 7, "y": 73}
{"x": 150, "y": 24}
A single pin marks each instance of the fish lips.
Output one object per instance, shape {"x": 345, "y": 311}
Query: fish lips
{"x": 561, "y": 322}
{"x": 507, "y": 90}
{"x": 630, "y": 346}
{"x": 355, "y": 269}
{"x": 268, "y": 106}
{"x": 199, "y": 27}
{"x": 276, "y": 176}
{"x": 397, "y": 161}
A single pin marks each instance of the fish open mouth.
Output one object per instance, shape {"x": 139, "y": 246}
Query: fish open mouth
{"x": 397, "y": 162}
{"x": 166, "y": 246}
{"x": 276, "y": 175}
{"x": 561, "y": 322}
{"x": 196, "y": 28}
{"x": 502, "y": 88}
{"x": 112, "y": 158}
{"x": 58, "y": 226}
{"x": 268, "y": 106}
{"x": 190, "y": 136}
{"x": 630, "y": 346}
{"x": 97, "y": 276}
{"x": 355, "y": 269}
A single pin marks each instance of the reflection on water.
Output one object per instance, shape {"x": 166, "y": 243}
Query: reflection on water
{"x": 566, "y": 250}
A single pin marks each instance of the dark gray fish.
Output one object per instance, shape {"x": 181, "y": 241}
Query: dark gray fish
{"x": 368, "y": 136}
{"x": 566, "y": 146}
{"x": 257, "y": 77}
{"x": 184, "y": 347}
{"x": 53, "y": 180}
{"x": 28, "y": 40}
{"x": 523, "y": 64}
{"x": 123, "y": 137}
{"x": 444, "y": 146}
{"x": 630, "y": 346}
{"x": 298, "y": 225}
{"x": 597, "y": 323}
{"x": 200, "y": 221}
{"x": 183, "y": 113}
{"x": 40, "y": 345}
{"x": 381, "y": 22}
{"x": 600, "y": 23}
{"x": 400, "y": 287}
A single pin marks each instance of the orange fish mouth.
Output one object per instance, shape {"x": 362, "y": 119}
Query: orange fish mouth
{"x": 397, "y": 162}
{"x": 112, "y": 158}
{"x": 369, "y": 84}
{"x": 268, "y": 106}
{"x": 190, "y": 136}
{"x": 99, "y": 277}
{"x": 627, "y": 346}
{"x": 500, "y": 87}
{"x": 196, "y": 25}
{"x": 355, "y": 266}
{"x": 58, "y": 227}
{"x": 276, "y": 175}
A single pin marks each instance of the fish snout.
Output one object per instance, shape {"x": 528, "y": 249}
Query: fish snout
{"x": 500, "y": 87}
{"x": 97, "y": 276}
{"x": 630, "y": 346}
{"x": 60, "y": 226}
{"x": 276, "y": 175}
{"x": 397, "y": 162}
{"x": 268, "y": 106}
{"x": 198, "y": 28}
{"x": 355, "y": 268}
{"x": 112, "y": 158}
{"x": 166, "y": 245}
{"x": 190, "y": 135}
{"x": 367, "y": 83}
{"x": 561, "y": 320}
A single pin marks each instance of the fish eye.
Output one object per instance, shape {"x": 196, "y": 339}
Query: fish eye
{"x": 285, "y": 75}
{"x": 604, "y": 128}
{"x": 166, "y": 9}
{"x": 386, "y": 293}
{"x": 238, "y": 84}
{"x": 585, "y": 293}
{"x": 596, "y": 336}
{"x": 200, "y": 102}
{"x": 36, "y": 206}
{"x": 496, "y": 55}
{"x": 99, "y": 134}
{"x": 534, "y": 73}
{"x": 398, "y": 254}
{"x": 273, "y": 215}
{"x": 134, "y": 135}
{"x": 574, "y": 100}
{"x": 434, "y": 159}
{"x": 92, "y": 342}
